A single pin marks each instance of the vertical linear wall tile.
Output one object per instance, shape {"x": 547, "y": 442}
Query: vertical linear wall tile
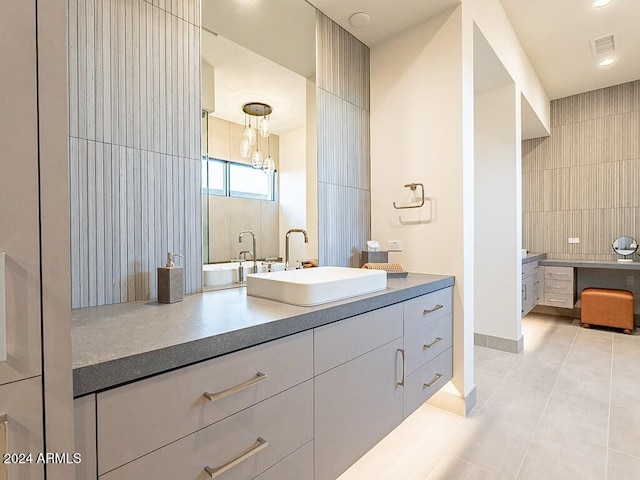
{"x": 344, "y": 211}
{"x": 74, "y": 182}
{"x": 98, "y": 79}
{"x": 106, "y": 71}
{"x": 83, "y": 244}
{"x": 135, "y": 192}
{"x": 83, "y": 104}
{"x": 91, "y": 64}
{"x": 73, "y": 67}
{"x": 100, "y": 290}
{"x": 590, "y": 174}
{"x": 107, "y": 169}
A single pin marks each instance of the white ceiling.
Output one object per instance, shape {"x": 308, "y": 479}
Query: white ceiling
{"x": 388, "y": 17}
{"x": 556, "y": 35}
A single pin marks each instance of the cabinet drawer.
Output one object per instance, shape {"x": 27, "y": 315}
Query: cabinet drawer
{"x": 558, "y": 286}
{"x": 143, "y": 416}
{"x": 558, "y": 300}
{"x": 298, "y": 466}
{"x": 426, "y": 309}
{"x": 427, "y": 380}
{"x": 21, "y": 402}
{"x": 559, "y": 273}
{"x": 428, "y": 342}
{"x": 342, "y": 341}
{"x": 285, "y": 421}
{"x": 529, "y": 269}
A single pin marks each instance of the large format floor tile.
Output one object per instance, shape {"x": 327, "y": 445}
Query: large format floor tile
{"x": 568, "y": 408}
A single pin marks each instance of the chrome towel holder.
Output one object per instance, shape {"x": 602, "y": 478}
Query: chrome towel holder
{"x": 412, "y": 187}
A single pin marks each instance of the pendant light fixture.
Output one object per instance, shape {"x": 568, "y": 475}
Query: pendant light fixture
{"x": 269, "y": 166}
{"x": 261, "y": 111}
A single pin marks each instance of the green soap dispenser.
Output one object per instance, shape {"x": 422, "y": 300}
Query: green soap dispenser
{"x": 170, "y": 281}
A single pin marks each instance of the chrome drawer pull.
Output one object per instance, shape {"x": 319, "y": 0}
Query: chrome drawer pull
{"x": 229, "y": 391}
{"x": 438, "y": 339}
{"x": 404, "y": 368}
{"x": 434, "y": 380}
{"x": 437, "y": 307}
{"x": 260, "y": 444}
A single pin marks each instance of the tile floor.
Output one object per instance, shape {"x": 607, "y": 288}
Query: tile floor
{"x": 568, "y": 408}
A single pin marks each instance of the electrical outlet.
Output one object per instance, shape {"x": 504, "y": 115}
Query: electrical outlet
{"x": 631, "y": 280}
{"x": 395, "y": 245}
{"x": 574, "y": 240}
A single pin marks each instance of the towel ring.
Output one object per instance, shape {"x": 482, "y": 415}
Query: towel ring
{"x": 412, "y": 187}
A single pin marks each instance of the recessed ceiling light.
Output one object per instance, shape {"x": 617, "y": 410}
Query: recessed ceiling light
{"x": 601, "y": 3}
{"x": 359, "y": 19}
{"x": 607, "y": 61}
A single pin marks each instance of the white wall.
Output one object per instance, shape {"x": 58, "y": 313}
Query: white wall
{"x": 492, "y": 21}
{"x": 293, "y": 191}
{"x": 417, "y": 135}
{"x": 498, "y": 231}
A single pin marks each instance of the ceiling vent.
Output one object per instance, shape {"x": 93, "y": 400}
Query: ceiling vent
{"x": 602, "y": 45}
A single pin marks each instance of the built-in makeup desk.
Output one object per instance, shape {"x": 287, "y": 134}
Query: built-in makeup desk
{"x": 601, "y": 274}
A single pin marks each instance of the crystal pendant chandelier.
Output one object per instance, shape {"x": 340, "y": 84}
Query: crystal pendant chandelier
{"x": 250, "y": 139}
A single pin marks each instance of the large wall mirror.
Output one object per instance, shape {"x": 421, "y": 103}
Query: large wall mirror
{"x": 259, "y": 51}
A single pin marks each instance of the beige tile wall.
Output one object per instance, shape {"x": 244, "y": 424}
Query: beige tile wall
{"x": 134, "y": 128}
{"x": 584, "y": 179}
{"x": 229, "y": 216}
{"x": 344, "y": 184}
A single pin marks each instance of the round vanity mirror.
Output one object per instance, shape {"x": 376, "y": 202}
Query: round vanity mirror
{"x": 625, "y": 246}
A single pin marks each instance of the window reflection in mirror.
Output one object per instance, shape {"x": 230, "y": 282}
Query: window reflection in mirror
{"x": 251, "y": 64}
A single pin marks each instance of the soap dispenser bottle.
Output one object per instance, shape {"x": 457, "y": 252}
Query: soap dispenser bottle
{"x": 170, "y": 281}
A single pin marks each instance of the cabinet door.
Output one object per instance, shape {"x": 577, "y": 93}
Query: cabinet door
{"x": 20, "y": 231}
{"x": 356, "y": 405}
{"x": 22, "y": 404}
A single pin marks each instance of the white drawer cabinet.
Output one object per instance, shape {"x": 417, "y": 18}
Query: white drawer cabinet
{"x": 428, "y": 308}
{"x": 298, "y": 466}
{"x": 531, "y": 286}
{"x": 22, "y": 403}
{"x": 426, "y": 343}
{"x": 558, "y": 287}
{"x": 330, "y": 394}
{"x": 143, "y": 416}
{"x": 428, "y": 352}
{"x": 339, "y": 342}
{"x": 427, "y": 380}
{"x": 241, "y": 446}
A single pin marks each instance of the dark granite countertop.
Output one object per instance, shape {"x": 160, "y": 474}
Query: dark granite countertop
{"x": 117, "y": 344}
{"x": 532, "y": 257}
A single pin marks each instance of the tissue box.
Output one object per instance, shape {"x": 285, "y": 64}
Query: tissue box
{"x": 373, "y": 257}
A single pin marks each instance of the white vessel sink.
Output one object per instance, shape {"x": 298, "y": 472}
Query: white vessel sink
{"x": 313, "y": 286}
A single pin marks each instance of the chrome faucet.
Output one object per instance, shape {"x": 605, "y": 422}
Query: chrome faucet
{"x": 253, "y": 251}
{"x": 243, "y": 256}
{"x": 286, "y": 248}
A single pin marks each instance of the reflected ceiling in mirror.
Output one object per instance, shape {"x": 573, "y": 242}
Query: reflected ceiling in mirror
{"x": 242, "y": 76}
{"x": 281, "y": 30}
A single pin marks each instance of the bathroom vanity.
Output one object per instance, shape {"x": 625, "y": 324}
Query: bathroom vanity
{"x": 227, "y": 386}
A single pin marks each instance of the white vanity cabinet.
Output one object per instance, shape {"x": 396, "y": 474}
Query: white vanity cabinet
{"x": 558, "y": 286}
{"x": 358, "y": 397}
{"x": 428, "y": 341}
{"x": 531, "y": 286}
{"x": 302, "y": 407}
{"x": 141, "y": 417}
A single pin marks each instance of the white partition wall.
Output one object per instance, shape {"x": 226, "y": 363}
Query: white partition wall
{"x": 498, "y": 230}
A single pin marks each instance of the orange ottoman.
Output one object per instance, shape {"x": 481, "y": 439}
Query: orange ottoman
{"x": 610, "y": 308}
